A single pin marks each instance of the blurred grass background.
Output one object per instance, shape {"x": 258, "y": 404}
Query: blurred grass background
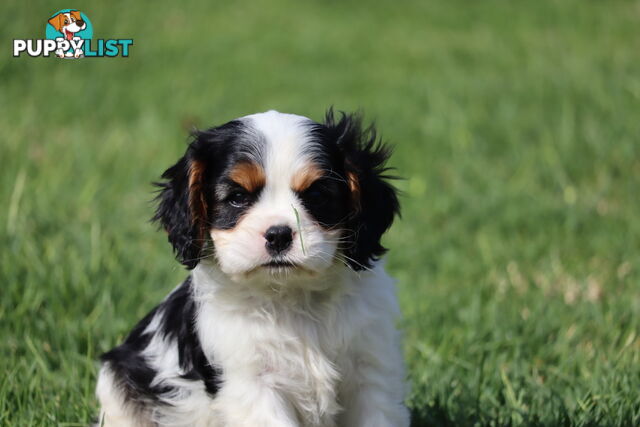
{"x": 516, "y": 126}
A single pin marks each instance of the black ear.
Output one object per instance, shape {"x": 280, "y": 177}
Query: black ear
{"x": 186, "y": 201}
{"x": 182, "y": 207}
{"x": 374, "y": 202}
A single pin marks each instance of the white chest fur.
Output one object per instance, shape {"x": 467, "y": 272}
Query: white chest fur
{"x": 286, "y": 360}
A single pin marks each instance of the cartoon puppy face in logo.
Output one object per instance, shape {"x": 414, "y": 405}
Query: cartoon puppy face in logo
{"x": 68, "y": 23}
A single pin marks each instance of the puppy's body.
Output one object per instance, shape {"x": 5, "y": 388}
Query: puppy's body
{"x": 312, "y": 359}
{"x": 291, "y": 332}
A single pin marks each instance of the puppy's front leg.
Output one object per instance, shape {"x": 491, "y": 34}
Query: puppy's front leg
{"x": 245, "y": 402}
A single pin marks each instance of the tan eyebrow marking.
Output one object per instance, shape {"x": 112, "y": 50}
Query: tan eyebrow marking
{"x": 305, "y": 176}
{"x": 249, "y": 175}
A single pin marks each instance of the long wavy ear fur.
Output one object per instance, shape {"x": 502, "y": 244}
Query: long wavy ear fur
{"x": 177, "y": 212}
{"x": 184, "y": 204}
{"x": 374, "y": 200}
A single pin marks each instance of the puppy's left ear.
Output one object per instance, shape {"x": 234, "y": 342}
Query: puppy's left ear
{"x": 182, "y": 207}
{"x": 75, "y": 14}
{"x": 56, "y": 21}
{"x": 374, "y": 202}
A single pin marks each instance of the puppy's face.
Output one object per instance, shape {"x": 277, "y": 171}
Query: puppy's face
{"x": 277, "y": 196}
{"x": 68, "y": 23}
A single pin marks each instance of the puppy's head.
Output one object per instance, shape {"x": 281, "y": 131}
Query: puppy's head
{"x": 277, "y": 195}
{"x": 68, "y": 23}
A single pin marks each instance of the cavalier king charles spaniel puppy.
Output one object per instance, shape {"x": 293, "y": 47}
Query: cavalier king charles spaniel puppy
{"x": 287, "y": 317}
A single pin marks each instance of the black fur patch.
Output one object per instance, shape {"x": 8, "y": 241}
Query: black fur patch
{"x": 225, "y": 215}
{"x": 178, "y": 322}
{"x": 354, "y": 150}
{"x": 131, "y": 370}
{"x": 326, "y": 200}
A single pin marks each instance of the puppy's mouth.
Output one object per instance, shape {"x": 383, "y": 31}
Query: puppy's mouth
{"x": 279, "y": 265}
{"x": 280, "y": 268}
{"x": 68, "y": 34}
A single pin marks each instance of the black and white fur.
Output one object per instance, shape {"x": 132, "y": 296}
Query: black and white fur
{"x": 300, "y": 332}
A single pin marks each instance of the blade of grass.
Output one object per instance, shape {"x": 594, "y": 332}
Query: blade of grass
{"x": 299, "y": 229}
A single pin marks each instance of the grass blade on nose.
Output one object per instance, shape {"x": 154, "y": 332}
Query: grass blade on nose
{"x": 299, "y": 229}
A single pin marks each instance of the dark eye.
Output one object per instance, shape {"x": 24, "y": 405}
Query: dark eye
{"x": 316, "y": 195}
{"x": 239, "y": 199}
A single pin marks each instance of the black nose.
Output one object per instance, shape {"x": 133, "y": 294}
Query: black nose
{"x": 278, "y": 238}
{"x": 79, "y": 22}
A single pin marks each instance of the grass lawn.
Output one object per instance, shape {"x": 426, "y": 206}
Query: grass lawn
{"x": 516, "y": 126}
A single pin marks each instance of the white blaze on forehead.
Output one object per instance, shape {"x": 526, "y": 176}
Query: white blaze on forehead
{"x": 288, "y": 146}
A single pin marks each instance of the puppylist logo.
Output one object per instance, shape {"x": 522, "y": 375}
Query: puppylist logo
{"x": 69, "y": 34}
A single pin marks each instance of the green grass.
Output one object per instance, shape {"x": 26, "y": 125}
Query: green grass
{"x": 516, "y": 126}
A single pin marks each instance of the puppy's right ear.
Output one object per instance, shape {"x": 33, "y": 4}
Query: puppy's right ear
{"x": 182, "y": 207}
{"x": 185, "y": 203}
{"x": 56, "y": 21}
